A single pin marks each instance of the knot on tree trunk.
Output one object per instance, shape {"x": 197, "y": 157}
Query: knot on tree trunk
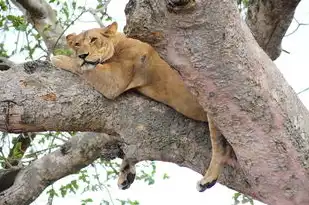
{"x": 180, "y": 5}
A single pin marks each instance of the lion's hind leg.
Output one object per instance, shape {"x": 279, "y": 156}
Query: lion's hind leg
{"x": 221, "y": 154}
{"x": 127, "y": 174}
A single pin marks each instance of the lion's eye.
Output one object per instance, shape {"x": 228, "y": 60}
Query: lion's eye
{"x": 76, "y": 44}
{"x": 93, "y": 39}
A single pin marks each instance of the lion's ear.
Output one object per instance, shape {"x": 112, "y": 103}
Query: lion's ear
{"x": 110, "y": 30}
{"x": 69, "y": 38}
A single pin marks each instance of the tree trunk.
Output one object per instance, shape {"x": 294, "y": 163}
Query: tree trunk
{"x": 235, "y": 81}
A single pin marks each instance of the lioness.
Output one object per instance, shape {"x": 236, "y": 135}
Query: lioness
{"x": 113, "y": 63}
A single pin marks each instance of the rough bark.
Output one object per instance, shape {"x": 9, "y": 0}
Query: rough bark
{"x": 255, "y": 108}
{"x": 37, "y": 97}
{"x": 269, "y": 20}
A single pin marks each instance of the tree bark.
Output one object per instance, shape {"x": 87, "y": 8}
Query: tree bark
{"x": 234, "y": 80}
{"x": 269, "y": 21}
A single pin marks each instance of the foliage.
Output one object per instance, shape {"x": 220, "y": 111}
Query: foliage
{"x": 28, "y": 42}
{"x": 243, "y": 199}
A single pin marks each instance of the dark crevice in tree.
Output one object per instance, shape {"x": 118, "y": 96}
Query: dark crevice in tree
{"x": 7, "y": 177}
{"x": 180, "y": 5}
{"x": 5, "y": 64}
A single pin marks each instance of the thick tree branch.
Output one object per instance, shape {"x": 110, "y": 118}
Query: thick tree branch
{"x": 37, "y": 97}
{"x": 269, "y": 21}
{"x": 252, "y": 104}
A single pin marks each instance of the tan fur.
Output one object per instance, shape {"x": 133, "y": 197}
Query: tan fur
{"x": 113, "y": 63}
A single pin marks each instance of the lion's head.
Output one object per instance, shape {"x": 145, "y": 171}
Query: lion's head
{"x": 95, "y": 45}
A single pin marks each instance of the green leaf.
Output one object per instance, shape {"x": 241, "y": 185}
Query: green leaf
{"x": 74, "y": 184}
{"x": 86, "y": 201}
{"x": 17, "y": 151}
{"x": 63, "y": 191}
{"x": 3, "y": 6}
{"x": 19, "y": 23}
{"x": 165, "y": 176}
{"x": 47, "y": 27}
{"x": 66, "y": 52}
{"x": 52, "y": 193}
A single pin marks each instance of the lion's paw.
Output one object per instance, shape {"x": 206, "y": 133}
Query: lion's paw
{"x": 203, "y": 184}
{"x": 126, "y": 182}
{"x": 88, "y": 66}
{"x": 58, "y": 61}
{"x": 126, "y": 175}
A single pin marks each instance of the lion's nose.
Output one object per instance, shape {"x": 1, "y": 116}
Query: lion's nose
{"x": 83, "y": 56}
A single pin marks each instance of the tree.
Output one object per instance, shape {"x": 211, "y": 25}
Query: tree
{"x": 222, "y": 63}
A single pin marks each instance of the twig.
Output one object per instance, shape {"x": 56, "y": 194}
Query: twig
{"x": 6, "y": 161}
{"x": 50, "y": 197}
{"x": 16, "y": 46}
{"x": 40, "y": 151}
{"x": 101, "y": 184}
{"x": 29, "y": 48}
{"x": 304, "y": 90}
{"x": 299, "y": 24}
{"x": 93, "y": 12}
{"x": 67, "y": 27}
{"x": 96, "y": 17}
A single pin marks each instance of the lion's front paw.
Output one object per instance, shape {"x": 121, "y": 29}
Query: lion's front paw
{"x": 88, "y": 66}
{"x": 204, "y": 184}
{"x": 58, "y": 61}
{"x": 65, "y": 62}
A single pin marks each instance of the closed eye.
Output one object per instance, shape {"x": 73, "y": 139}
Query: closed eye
{"x": 93, "y": 39}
